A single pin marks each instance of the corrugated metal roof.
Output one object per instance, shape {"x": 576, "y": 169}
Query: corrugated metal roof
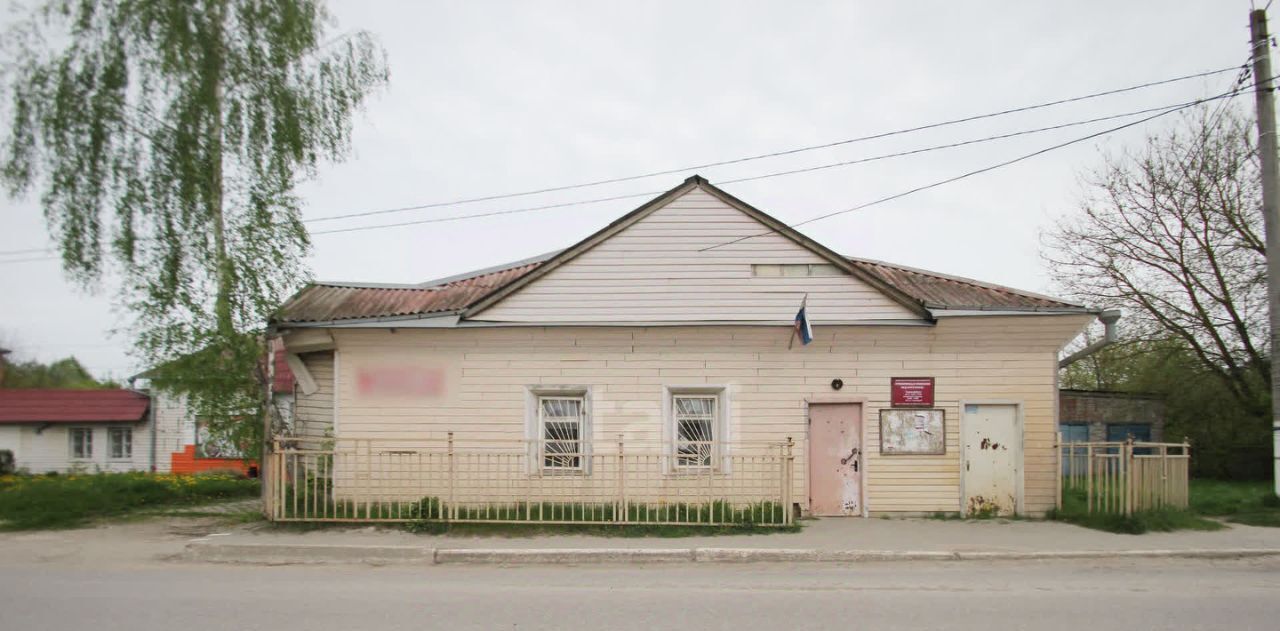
{"x": 940, "y": 291}
{"x": 50, "y": 405}
{"x": 328, "y": 302}
{"x": 334, "y": 302}
{"x": 323, "y": 302}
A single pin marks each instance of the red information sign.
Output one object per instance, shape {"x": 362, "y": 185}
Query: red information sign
{"x": 911, "y": 391}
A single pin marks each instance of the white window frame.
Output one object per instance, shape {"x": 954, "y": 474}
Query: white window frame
{"x": 719, "y": 427}
{"x": 535, "y": 428}
{"x": 112, "y": 436}
{"x": 88, "y": 442}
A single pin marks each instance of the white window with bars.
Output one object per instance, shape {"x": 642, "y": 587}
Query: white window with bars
{"x": 562, "y": 426}
{"x": 81, "y": 439}
{"x": 120, "y": 443}
{"x": 696, "y": 431}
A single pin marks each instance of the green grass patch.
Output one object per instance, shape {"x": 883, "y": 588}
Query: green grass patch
{"x": 1252, "y": 503}
{"x": 1075, "y": 511}
{"x": 65, "y": 501}
{"x": 467, "y": 529}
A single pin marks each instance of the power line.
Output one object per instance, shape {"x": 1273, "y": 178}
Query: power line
{"x": 733, "y": 161}
{"x": 821, "y": 167}
{"x": 785, "y": 152}
{"x": 985, "y": 169}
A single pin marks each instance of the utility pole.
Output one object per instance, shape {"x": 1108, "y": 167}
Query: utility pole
{"x": 1260, "y": 47}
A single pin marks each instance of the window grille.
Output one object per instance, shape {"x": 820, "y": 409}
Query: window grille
{"x": 561, "y": 420}
{"x": 695, "y": 430}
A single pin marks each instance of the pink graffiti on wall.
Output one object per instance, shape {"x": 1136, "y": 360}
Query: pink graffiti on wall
{"x": 405, "y": 380}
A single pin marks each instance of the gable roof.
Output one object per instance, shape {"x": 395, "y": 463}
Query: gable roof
{"x": 57, "y": 405}
{"x": 466, "y": 294}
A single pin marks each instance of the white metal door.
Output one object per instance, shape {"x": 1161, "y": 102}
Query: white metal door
{"x": 992, "y": 455}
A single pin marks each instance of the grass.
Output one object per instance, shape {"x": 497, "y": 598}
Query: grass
{"x": 429, "y": 516}
{"x": 1253, "y": 503}
{"x": 1075, "y": 511}
{"x": 595, "y": 530}
{"x": 1211, "y": 501}
{"x": 66, "y": 501}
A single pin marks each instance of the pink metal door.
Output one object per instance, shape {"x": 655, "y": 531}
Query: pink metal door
{"x": 835, "y": 459}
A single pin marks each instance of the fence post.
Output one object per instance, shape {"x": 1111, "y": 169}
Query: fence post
{"x": 1184, "y": 499}
{"x": 1088, "y": 482}
{"x": 620, "y": 512}
{"x": 1128, "y": 476}
{"x": 1163, "y": 500}
{"x": 787, "y": 460}
{"x": 1057, "y": 460}
{"x": 451, "y": 513}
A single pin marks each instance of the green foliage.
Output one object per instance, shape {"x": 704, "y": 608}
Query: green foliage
{"x": 595, "y": 530}
{"x": 165, "y": 139}
{"x": 1075, "y": 510}
{"x": 425, "y": 515}
{"x": 1229, "y": 440}
{"x": 64, "y": 501}
{"x": 64, "y": 373}
{"x": 1252, "y": 503}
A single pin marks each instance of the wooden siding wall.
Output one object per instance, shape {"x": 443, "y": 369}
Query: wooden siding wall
{"x": 487, "y": 373}
{"x": 313, "y": 413}
{"x": 653, "y": 272}
{"x": 50, "y": 449}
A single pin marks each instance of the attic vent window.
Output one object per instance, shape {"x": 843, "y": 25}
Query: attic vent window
{"x": 794, "y": 269}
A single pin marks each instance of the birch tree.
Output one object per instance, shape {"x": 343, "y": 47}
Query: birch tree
{"x": 165, "y": 139}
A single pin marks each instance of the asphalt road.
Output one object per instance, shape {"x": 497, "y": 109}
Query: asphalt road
{"x": 1091, "y": 596}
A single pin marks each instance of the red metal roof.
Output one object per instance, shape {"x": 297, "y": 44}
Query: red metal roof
{"x": 50, "y": 405}
{"x": 326, "y": 302}
{"x": 322, "y": 302}
{"x": 331, "y": 302}
{"x": 940, "y": 291}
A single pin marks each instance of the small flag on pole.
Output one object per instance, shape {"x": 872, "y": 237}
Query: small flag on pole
{"x": 802, "y": 327}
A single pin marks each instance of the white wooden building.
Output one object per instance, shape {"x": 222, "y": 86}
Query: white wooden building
{"x": 62, "y": 430}
{"x": 674, "y": 325}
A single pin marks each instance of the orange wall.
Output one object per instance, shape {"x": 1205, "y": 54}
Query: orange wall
{"x": 185, "y": 461}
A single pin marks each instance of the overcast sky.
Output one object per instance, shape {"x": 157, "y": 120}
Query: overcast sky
{"x": 498, "y": 97}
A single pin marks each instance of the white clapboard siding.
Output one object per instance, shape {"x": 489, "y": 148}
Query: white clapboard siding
{"x": 487, "y": 373}
{"x": 313, "y": 413}
{"x": 653, "y": 271}
{"x": 42, "y": 449}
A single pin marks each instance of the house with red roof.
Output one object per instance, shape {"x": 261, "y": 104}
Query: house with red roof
{"x": 700, "y": 325}
{"x": 66, "y": 430}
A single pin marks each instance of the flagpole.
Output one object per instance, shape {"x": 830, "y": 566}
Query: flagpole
{"x": 795, "y": 329}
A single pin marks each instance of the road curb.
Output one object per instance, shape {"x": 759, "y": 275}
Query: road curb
{"x": 481, "y": 556}
{"x": 212, "y": 550}
{"x": 277, "y": 554}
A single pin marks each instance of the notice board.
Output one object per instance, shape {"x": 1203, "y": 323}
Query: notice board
{"x": 912, "y": 432}
{"x": 911, "y": 392}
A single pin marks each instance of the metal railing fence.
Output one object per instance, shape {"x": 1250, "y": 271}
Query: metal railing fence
{"x": 491, "y": 480}
{"x": 1125, "y": 477}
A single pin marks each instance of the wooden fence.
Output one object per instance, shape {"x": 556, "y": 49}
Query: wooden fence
{"x": 1125, "y": 477}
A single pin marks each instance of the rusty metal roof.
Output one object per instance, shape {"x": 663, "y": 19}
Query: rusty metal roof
{"x": 918, "y": 290}
{"x": 329, "y": 302}
{"x": 940, "y": 291}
